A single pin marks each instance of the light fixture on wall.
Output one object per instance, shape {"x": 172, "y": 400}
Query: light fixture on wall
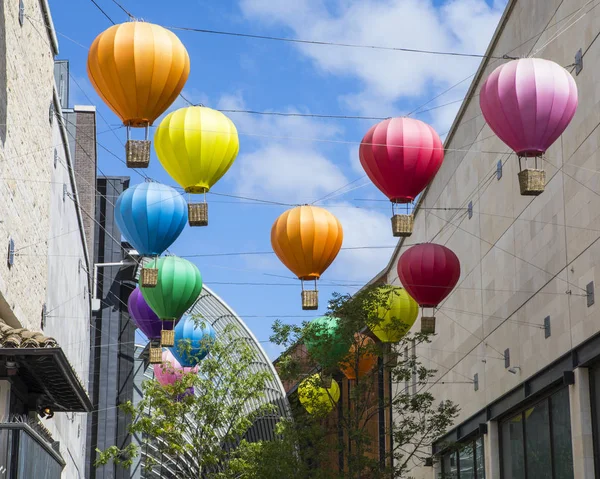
{"x": 513, "y": 370}
{"x": 46, "y": 413}
{"x": 11, "y": 368}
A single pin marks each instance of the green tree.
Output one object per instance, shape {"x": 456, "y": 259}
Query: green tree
{"x": 418, "y": 418}
{"x": 201, "y": 433}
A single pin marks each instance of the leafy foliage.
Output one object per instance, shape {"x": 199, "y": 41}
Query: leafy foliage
{"x": 200, "y": 432}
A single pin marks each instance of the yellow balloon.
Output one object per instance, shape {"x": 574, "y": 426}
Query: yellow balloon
{"x": 315, "y": 398}
{"x": 196, "y": 146}
{"x": 400, "y": 307}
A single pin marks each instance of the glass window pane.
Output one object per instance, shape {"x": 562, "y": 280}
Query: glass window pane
{"x": 479, "y": 458}
{"x": 467, "y": 462}
{"x": 513, "y": 461}
{"x": 537, "y": 442}
{"x": 449, "y": 466}
{"x": 561, "y": 435}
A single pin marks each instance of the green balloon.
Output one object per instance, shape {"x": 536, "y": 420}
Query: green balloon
{"x": 324, "y": 341}
{"x": 178, "y": 288}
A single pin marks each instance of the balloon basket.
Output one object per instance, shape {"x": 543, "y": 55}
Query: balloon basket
{"x": 428, "y": 324}
{"x": 198, "y": 214}
{"x": 149, "y": 277}
{"x": 137, "y": 153}
{"x": 532, "y": 182}
{"x": 402, "y": 225}
{"x": 310, "y": 300}
{"x": 390, "y": 358}
{"x": 326, "y": 380}
{"x": 155, "y": 355}
{"x": 167, "y": 337}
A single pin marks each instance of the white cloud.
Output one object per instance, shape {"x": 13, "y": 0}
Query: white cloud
{"x": 362, "y": 227}
{"x": 386, "y": 76}
{"x": 283, "y": 166}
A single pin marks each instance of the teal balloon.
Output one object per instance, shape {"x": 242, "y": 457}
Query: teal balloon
{"x": 324, "y": 341}
{"x": 178, "y": 288}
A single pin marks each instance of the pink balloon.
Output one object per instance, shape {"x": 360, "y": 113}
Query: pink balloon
{"x": 170, "y": 370}
{"x": 528, "y": 103}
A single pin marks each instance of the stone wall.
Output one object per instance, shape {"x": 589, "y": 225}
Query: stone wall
{"x": 520, "y": 256}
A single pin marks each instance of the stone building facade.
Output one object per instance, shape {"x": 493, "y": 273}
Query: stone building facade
{"x": 517, "y": 344}
{"x": 45, "y": 271}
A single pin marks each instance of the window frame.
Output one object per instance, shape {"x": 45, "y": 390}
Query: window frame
{"x": 471, "y": 442}
{"x": 547, "y": 398}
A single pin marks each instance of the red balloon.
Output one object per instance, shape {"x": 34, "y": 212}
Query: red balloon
{"x": 401, "y": 156}
{"x": 429, "y": 273}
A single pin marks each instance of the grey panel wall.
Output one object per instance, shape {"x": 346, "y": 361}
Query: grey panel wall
{"x": 113, "y": 334}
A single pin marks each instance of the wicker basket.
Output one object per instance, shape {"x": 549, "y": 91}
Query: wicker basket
{"x": 390, "y": 357}
{"x": 310, "y": 300}
{"x": 137, "y": 153}
{"x": 402, "y": 225}
{"x": 326, "y": 380}
{"x": 149, "y": 277}
{"x": 428, "y": 324}
{"x": 198, "y": 214}
{"x": 167, "y": 337}
{"x": 532, "y": 182}
{"x": 155, "y": 355}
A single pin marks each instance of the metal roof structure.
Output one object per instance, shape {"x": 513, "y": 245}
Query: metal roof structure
{"x": 220, "y": 315}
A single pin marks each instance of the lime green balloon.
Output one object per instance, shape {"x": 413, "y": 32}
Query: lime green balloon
{"x": 316, "y": 398}
{"x": 324, "y": 342}
{"x": 178, "y": 288}
{"x": 397, "y": 313}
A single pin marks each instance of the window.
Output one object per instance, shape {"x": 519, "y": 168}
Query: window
{"x": 465, "y": 463}
{"x": 536, "y": 443}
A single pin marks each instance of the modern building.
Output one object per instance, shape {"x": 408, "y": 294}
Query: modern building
{"x": 112, "y": 333}
{"x": 517, "y": 343}
{"x": 214, "y": 310}
{"x": 45, "y": 300}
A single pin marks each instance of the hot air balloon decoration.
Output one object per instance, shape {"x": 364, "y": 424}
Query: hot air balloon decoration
{"x": 170, "y": 371}
{"x": 192, "y": 341}
{"x": 429, "y": 272}
{"x": 147, "y": 322}
{"x": 528, "y": 103}
{"x": 307, "y": 239}
{"x": 138, "y": 69}
{"x": 151, "y": 217}
{"x": 396, "y": 313}
{"x": 196, "y": 146}
{"x": 315, "y": 398}
{"x": 360, "y": 359}
{"x": 325, "y": 343}
{"x": 178, "y": 288}
{"x": 401, "y": 156}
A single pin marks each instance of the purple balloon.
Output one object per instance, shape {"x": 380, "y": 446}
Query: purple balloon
{"x": 143, "y": 316}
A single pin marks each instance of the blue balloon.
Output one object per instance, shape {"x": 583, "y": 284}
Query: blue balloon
{"x": 151, "y": 217}
{"x": 199, "y": 337}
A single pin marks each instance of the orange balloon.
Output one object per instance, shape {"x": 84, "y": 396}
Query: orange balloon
{"x": 366, "y": 359}
{"x": 138, "y": 69}
{"x": 307, "y": 239}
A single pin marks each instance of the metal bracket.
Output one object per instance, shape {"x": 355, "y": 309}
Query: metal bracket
{"x": 44, "y": 316}
{"x": 21, "y": 12}
{"x": 64, "y": 191}
{"x": 476, "y": 381}
{"x": 547, "y": 331}
{"x": 507, "y": 358}
{"x": 470, "y": 209}
{"x": 55, "y": 157}
{"x": 51, "y": 112}
{"x": 589, "y": 289}
{"x": 11, "y": 252}
{"x": 499, "y": 170}
{"x": 578, "y": 62}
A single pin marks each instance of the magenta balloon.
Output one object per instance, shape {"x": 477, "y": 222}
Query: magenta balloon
{"x": 528, "y": 103}
{"x": 170, "y": 370}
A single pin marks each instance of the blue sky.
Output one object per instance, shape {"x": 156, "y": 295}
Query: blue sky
{"x": 291, "y": 159}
